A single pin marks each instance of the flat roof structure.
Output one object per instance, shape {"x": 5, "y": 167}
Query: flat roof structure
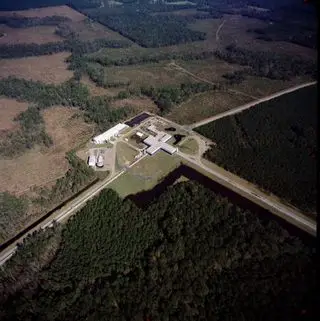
{"x": 158, "y": 142}
{"x": 112, "y": 132}
{"x": 137, "y": 120}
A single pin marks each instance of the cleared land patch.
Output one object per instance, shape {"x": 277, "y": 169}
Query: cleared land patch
{"x": 9, "y": 109}
{"x": 189, "y": 146}
{"x": 63, "y": 11}
{"x": 204, "y": 105}
{"x": 272, "y": 145}
{"x": 41, "y": 167}
{"x": 89, "y": 30}
{"x": 156, "y": 74}
{"x": 37, "y": 34}
{"x": 47, "y": 69}
{"x": 125, "y": 154}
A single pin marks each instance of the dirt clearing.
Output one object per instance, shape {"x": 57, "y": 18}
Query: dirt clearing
{"x": 9, "y": 109}
{"x": 63, "y": 11}
{"x": 37, "y": 34}
{"x": 47, "y": 69}
{"x": 42, "y": 167}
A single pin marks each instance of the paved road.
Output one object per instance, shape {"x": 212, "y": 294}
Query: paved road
{"x": 66, "y": 212}
{"x": 291, "y": 215}
{"x": 249, "y": 105}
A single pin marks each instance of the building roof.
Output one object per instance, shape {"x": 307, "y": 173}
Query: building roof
{"x": 110, "y": 133}
{"x": 159, "y": 142}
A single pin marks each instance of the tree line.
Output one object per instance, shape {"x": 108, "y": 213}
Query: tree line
{"x": 76, "y": 46}
{"x": 191, "y": 255}
{"x": 25, "y": 22}
{"x": 69, "y": 93}
{"x": 272, "y": 145}
{"x": 166, "y": 97}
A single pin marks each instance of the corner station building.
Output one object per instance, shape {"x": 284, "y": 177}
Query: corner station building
{"x": 158, "y": 142}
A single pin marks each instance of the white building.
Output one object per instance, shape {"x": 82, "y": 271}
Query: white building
{"x": 158, "y": 142}
{"x": 92, "y": 161}
{"x": 110, "y": 133}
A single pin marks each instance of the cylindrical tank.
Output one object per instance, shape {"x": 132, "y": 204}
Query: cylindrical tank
{"x": 100, "y": 161}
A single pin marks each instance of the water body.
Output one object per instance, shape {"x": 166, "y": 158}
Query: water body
{"x": 143, "y": 199}
{"x": 178, "y": 138}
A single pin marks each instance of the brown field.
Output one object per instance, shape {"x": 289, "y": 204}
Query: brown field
{"x": 37, "y": 34}
{"x": 63, "y": 11}
{"x": 51, "y": 69}
{"x": 42, "y": 167}
{"x": 204, "y": 105}
{"x": 138, "y": 104}
{"x": 88, "y": 30}
{"x": 9, "y": 109}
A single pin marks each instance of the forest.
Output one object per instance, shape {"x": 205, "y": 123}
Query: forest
{"x": 268, "y": 64}
{"x": 191, "y": 255}
{"x": 145, "y": 29}
{"x": 12, "y": 209}
{"x": 272, "y": 145}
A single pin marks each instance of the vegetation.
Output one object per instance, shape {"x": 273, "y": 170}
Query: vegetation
{"x": 78, "y": 176}
{"x": 12, "y": 210}
{"x": 70, "y": 93}
{"x": 167, "y": 97}
{"x": 145, "y": 29}
{"x": 24, "y": 22}
{"x": 32, "y": 132}
{"x": 272, "y": 145}
{"x": 77, "y": 47}
{"x": 191, "y": 255}
{"x": 268, "y": 64}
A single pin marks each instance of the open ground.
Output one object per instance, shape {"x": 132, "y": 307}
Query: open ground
{"x": 50, "y": 69}
{"x": 63, "y": 11}
{"x": 39, "y": 167}
{"x": 36, "y": 34}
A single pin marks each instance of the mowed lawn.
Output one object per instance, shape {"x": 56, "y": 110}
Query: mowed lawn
{"x": 145, "y": 174}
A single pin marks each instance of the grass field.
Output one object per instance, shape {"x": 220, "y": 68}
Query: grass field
{"x": 145, "y": 174}
{"x": 42, "y": 167}
{"x": 9, "y": 109}
{"x": 47, "y": 69}
{"x": 125, "y": 155}
{"x": 189, "y": 146}
{"x": 37, "y": 34}
{"x": 155, "y": 74}
{"x": 204, "y": 105}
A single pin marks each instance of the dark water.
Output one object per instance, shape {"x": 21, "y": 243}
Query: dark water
{"x": 178, "y": 138}
{"x": 144, "y": 198}
{"x": 170, "y": 129}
